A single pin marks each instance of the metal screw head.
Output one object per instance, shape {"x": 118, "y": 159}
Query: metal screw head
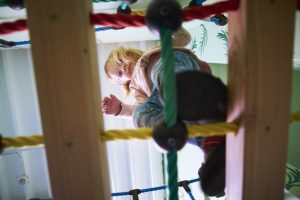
{"x": 23, "y": 180}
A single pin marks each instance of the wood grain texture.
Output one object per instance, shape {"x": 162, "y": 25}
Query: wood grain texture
{"x": 260, "y": 64}
{"x": 66, "y": 70}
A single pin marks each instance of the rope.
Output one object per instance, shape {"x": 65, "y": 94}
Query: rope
{"x": 170, "y": 107}
{"x": 198, "y": 12}
{"x": 194, "y": 130}
{"x": 136, "y": 20}
{"x": 191, "y": 195}
{"x": 139, "y": 12}
{"x": 122, "y": 20}
{"x": 20, "y": 43}
{"x": 163, "y": 187}
{"x": 12, "y": 27}
{"x": 3, "y": 3}
{"x": 169, "y": 78}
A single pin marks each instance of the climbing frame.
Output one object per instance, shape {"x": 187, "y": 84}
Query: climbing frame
{"x": 260, "y": 64}
{"x": 261, "y": 37}
{"x": 66, "y": 71}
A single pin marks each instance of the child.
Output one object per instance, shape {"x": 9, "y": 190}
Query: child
{"x": 140, "y": 75}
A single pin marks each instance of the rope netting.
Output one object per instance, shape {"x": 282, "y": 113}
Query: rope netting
{"x": 8, "y": 44}
{"x": 135, "y": 20}
{"x": 194, "y": 130}
{"x": 184, "y": 184}
{"x": 170, "y": 111}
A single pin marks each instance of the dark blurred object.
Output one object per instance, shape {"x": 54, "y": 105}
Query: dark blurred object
{"x": 212, "y": 172}
{"x": 7, "y": 44}
{"x": 164, "y": 14}
{"x": 15, "y": 4}
{"x": 201, "y": 97}
{"x": 170, "y": 138}
{"x": 220, "y": 20}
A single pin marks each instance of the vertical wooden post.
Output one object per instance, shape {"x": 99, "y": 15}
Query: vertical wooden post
{"x": 65, "y": 64}
{"x": 260, "y": 63}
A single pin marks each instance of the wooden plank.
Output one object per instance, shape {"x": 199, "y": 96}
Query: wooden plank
{"x": 260, "y": 63}
{"x": 65, "y": 64}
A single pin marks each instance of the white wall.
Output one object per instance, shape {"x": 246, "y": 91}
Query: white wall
{"x": 20, "y": 116}
{"x": 132, "y": 164}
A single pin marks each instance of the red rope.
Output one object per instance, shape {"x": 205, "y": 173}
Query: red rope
{"x": 121, "y": 20}
{"x": 199, "y": 12}
{"x": 117, "y": 20}
{"x": 11, "y": 27}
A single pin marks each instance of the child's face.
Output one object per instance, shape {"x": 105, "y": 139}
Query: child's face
{"x": 120, "y": 74}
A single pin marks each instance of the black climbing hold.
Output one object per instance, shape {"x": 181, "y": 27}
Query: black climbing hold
{"x": 220, "y": 20}
{"x": 15, "y": 4}
{"x": 163, "y": 14}
{"x": 126, "y": 11}
{"x": 212, "y": 172}
{"x": 7, "y": 44}
{"x": 117, "y": 28}
{"x": 193, "y": 3}
{"x": 200, "y": 97}
{"x": 170, "y": 138}
{"x": 135, "y": 193}
{"x": 1, "y": 144}
{"x": 185, "y": 185}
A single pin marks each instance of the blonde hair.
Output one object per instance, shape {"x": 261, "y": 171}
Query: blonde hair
{"x": 120, "y": 56}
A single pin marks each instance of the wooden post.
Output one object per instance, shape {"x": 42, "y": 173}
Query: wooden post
{"x": 66, "y": 70}
{"x": 261, "y": 37}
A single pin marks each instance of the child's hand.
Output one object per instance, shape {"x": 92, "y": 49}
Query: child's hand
{"x": 111, "y": 105}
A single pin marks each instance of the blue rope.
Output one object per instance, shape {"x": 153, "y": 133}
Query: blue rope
{"x": 191, "y": 196}
{"x": 214, "y": 20}
{"x": 163, "y": 187}
{"x": 22, "y": 43}
{"x": 29, "y": 42}
{"x": 200, "y": 2}
{"x": 102, "y": 29}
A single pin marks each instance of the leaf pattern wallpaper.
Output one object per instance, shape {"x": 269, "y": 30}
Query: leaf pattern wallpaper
{"x": 210, "y": 43}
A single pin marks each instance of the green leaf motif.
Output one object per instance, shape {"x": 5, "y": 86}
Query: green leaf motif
{"x": 293, "y": 178}
{"x": 203, "y": 39}
{"x": 223, "y": 35}
{"x": 194, "y": 45}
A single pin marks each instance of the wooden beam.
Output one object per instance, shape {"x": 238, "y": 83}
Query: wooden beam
{"x": 66, "y": 70}
{"x": 261, "y": 37}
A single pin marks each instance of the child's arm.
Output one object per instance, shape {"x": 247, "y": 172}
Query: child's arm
{"x": 113, "y": 106}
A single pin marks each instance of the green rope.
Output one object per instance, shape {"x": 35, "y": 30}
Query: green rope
{"x": 172, "y": 175}
{"x": 170, "y": 108}
{"x": 3, "y": 4}
{"x": 169, "y": 82}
